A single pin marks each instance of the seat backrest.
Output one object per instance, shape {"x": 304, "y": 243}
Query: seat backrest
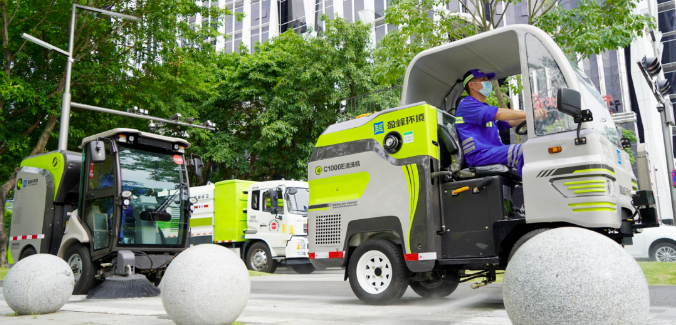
{"x": 451, "y": 141}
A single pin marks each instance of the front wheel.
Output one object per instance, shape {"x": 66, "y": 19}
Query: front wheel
{"x": 79, "y": 260}
{"x": 378, "y": 273}
{"x": 303, "y": 268}
{"x": 259, "y": 258}
{"x": 664, "y": 252}
{"x": 437, "y": 287}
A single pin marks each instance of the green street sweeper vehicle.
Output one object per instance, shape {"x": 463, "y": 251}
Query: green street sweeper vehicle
{"x": 392, "y": 200}
{"x": 118, "y": 208}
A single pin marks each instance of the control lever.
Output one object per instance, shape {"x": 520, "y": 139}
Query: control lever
{"x": 483, "y": 183}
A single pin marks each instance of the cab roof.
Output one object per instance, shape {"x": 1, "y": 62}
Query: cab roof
{"x": 113, "y": 132}
{"x": 433, "y": 72}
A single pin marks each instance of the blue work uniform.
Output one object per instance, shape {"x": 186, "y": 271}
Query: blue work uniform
{"x": 480, "y": 136}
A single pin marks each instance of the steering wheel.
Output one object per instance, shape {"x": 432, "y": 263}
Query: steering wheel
{"x": 521, "y": 129}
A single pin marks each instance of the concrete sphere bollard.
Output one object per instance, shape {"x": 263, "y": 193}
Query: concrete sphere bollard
{"x": 574, "y": 276}
{"x": 38, "y": 284}
{"x": 206, "y": 284}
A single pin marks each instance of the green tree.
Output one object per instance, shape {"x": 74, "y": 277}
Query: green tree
{"x": 589, "y": 28}
{"x": 274, "y": 103}
{"x": 157, "y": 65}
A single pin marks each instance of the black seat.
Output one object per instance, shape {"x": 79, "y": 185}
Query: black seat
{"x": 448, "y": 137}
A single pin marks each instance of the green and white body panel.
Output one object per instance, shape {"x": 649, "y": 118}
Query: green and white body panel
{"x": 587, "y": 185}
{"x": 225, "y": 214}
{"x": 39, "y": 192}
{"x": 358, "y": 189}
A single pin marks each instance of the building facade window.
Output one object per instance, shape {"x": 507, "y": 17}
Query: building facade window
{"x": 351, "y": 9}
{"x": 260, "y": 22}
{"x": 323, "y": 7}
{"x": 292, "y": 16}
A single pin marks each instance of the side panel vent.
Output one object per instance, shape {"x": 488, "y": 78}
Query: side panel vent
{"x": 327, "y": 229}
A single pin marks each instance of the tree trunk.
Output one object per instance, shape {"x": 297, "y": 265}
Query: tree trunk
{"x": 498, "y": 93}
{"x": 9, "y": 185}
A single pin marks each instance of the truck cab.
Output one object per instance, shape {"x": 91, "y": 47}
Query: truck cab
{"x": 127, "y": 190}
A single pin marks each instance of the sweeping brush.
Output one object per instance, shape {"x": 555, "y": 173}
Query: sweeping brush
{"x": 131, "y": 286}
{"x": 125, "y": 283}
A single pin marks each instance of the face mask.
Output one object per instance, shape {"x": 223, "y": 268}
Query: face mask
{"x": 487, "y": 88}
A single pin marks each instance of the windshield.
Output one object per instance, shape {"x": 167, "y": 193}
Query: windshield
{"x": 545, "y": 80}
{"x": 152, "y": 177}
{"x": 603, "y": 121}
{"x": 299, "y": 201}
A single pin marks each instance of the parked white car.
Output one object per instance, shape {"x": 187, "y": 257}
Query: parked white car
{"x": 657, "y": 244}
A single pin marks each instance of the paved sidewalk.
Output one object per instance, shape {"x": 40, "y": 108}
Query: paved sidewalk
{"x": 310, "y": 299}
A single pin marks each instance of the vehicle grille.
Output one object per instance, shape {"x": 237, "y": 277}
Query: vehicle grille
{"x": 327, "y": 229}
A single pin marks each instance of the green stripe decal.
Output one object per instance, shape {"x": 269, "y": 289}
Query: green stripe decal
{"x": 595, "y": 210}
{"x": 200, "y": 222}
{"x": 318, "y": 209}
{"x": 411, "y": 173}
{"x": 584, "y": 182}
{"x": 587, "y": 204}
{"x": 589, "y": 191}
{"x": 459, "y": 120}
{"x": 594, "y": 170}
{"x": 587, "y": 186}
{"x": 9, "y": 256}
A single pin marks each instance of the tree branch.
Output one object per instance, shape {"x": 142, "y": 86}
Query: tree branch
{"x": 30, "y": 129}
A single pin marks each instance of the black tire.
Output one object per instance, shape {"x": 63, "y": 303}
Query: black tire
{"x": 437, "y": 288}
{"x": 523, "y": 240}
{"x": 393, "y": 268}
{"x": 27, "y": 252}
{"x": 258, "y": 258}
{"x": 303, "y": 268}
{"x": 663, "y": 252}
{"x": 76, "y": 256}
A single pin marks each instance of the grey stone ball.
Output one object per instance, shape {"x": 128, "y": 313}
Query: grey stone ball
{"x": 574, "y": 276}
{"x": 206, "y": 284}
{"x": 38, "y": 284}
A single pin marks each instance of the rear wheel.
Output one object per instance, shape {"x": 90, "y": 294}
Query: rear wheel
{"x": 79, "y": 260}
{"x": 523, "y": 240}
{"x": 259, "y": 258}
{"x": 303, "y": 268}
{"x": 378, "y": 273}
{"x": 27, "y": 252}
{"x": 664, "y": 252}
{"x": 437, "y": 287}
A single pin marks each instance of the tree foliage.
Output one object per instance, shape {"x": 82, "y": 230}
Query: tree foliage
{"x": 118, "y": 64}
{"x": 273, "y": 104}
{"x": 591, "y": 27}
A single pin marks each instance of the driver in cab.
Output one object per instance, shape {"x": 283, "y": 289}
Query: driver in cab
{"x": 478, "y": 124}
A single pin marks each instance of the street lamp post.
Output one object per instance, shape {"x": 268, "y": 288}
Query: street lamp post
{"x": 65, "y": 99}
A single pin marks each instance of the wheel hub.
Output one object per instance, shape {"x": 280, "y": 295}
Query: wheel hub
{"x": 374, "y": 272}
{"x": 75, "y": 263}
{"x": 259, "y": 259}
{"x": 666, "y": 254}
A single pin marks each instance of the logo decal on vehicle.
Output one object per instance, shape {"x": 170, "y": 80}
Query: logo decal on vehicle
{"x": 379, "y": 128}
{"x": 619, "y": 157}
{"x": 19, "y": 184}
{"x": 336, "y": 167}
{"x": 318, "y": 170}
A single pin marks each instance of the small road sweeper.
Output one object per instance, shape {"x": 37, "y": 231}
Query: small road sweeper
{"x": 118, "y": 211}
{"x": 243, "y": 216}
{"x": 393, "y": 201}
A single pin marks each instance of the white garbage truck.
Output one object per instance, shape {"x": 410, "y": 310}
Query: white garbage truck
{"x": 264, "y": 222}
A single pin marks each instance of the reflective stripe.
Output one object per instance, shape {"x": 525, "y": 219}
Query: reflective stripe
{"x": 465, "y": 147}
{"x": 470, "y": 139}
{"x": 459, "y": 120}
{"x": 520, "y": 150}
{"x": 470, "y": 77}
{"x": 468, "y": 150}
{"x": 509, "y": 155}
{"x": 489, "y": 124}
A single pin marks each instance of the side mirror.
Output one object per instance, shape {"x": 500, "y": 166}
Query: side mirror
{"x": 292, "y": 190}
{"x": 97, "y": 153}
{"x": 569, "y": 101}
{"x": 197, "y": 163}
{"x": 154, "y": 216}
{"x": 274, "y": 199}
{"x": 625, "y": 143}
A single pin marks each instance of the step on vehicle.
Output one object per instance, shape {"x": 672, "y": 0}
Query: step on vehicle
{"x": 393, "y": 202}
{"x": 264, "y": 222}
{"x": 127, "y": 191}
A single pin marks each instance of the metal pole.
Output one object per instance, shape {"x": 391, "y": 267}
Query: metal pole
{"x": 668, "y": 150}
{"x": 65, "y": 99}
{"x": 145, "y": 117}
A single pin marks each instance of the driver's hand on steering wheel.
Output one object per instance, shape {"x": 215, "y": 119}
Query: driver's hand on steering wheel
{"x": 540, "y": 114}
